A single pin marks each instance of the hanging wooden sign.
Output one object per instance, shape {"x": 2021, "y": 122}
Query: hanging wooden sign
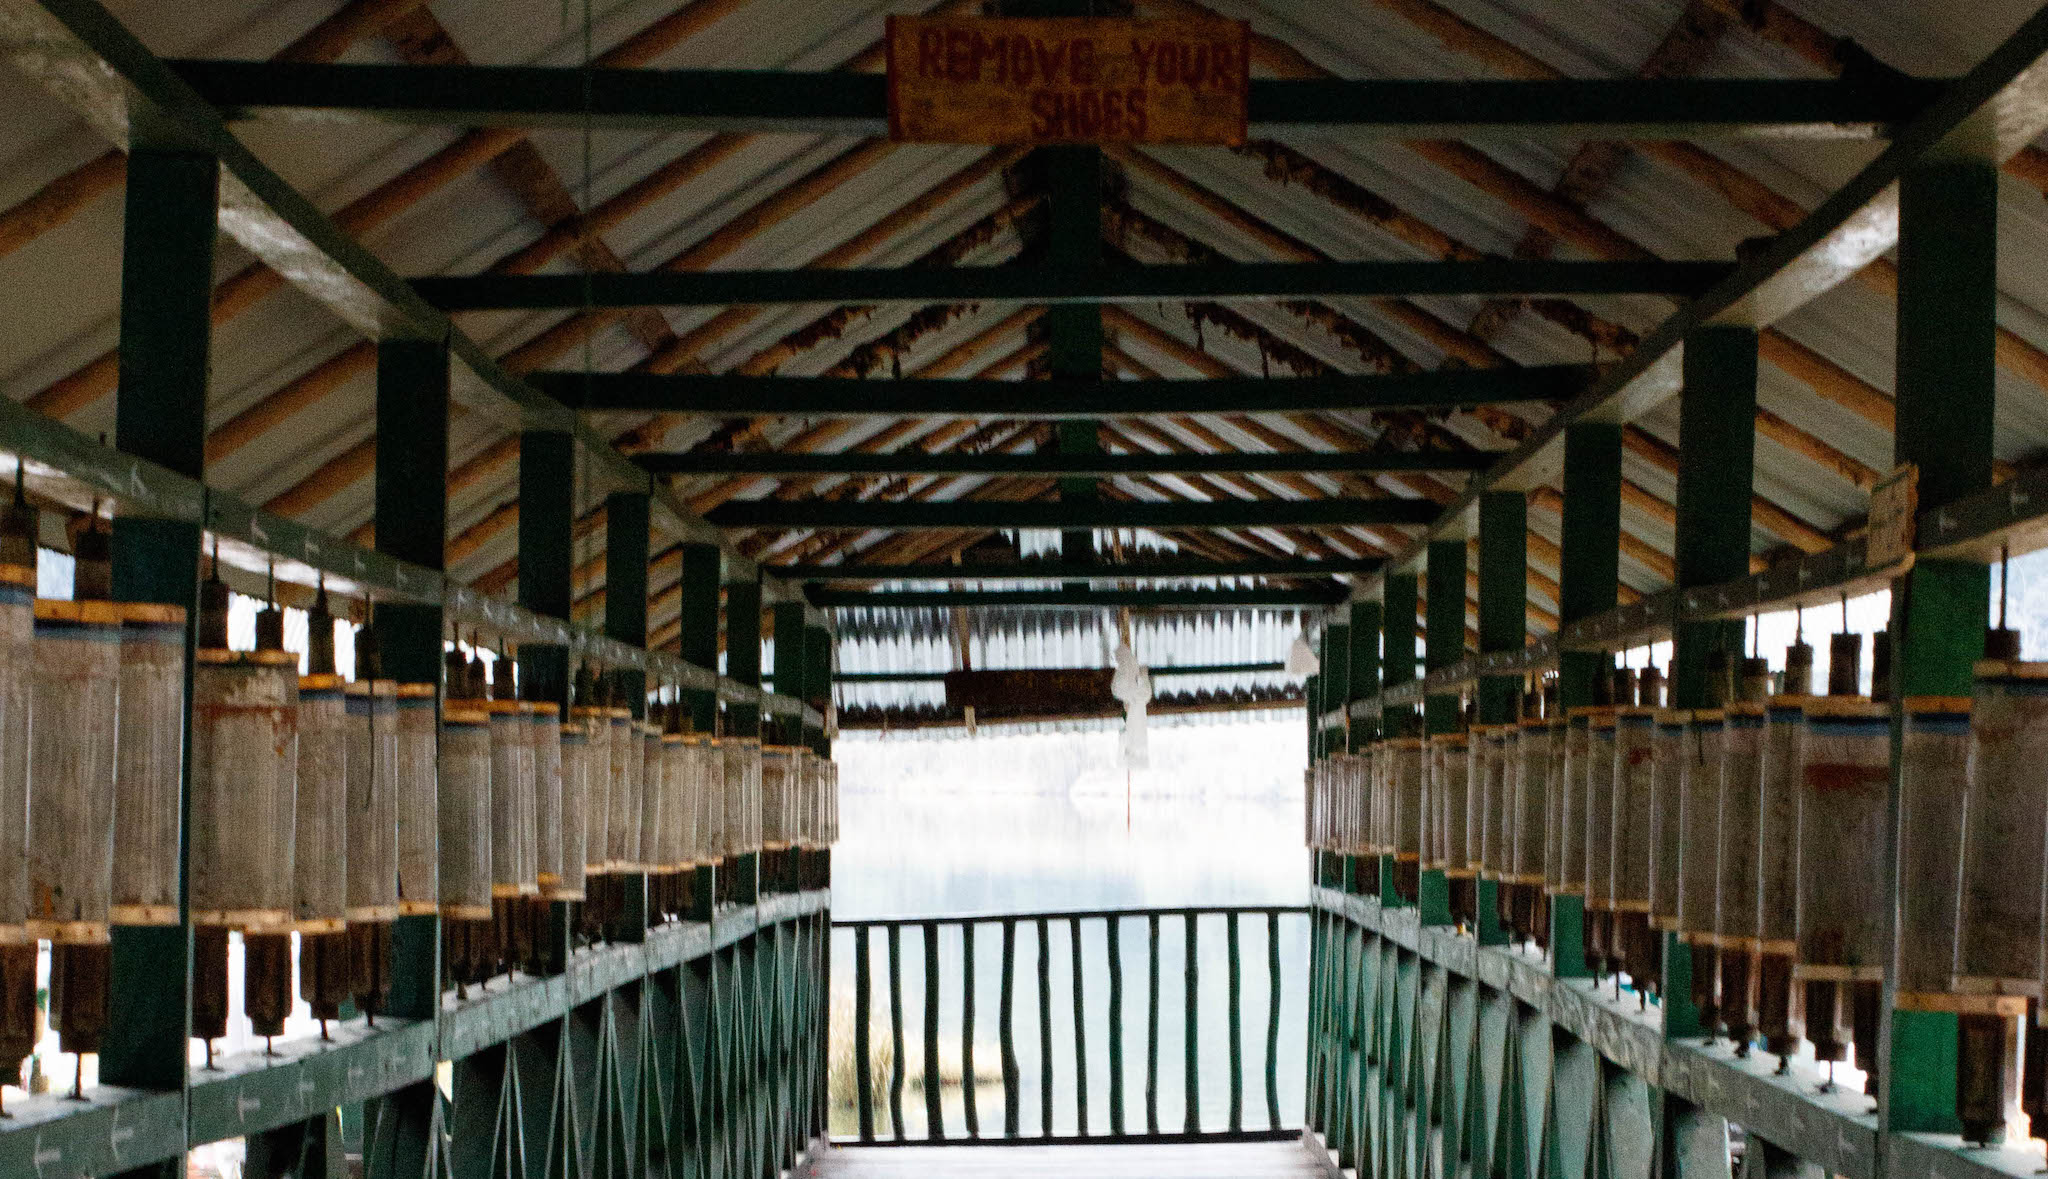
{"x": 1017, "y": 80}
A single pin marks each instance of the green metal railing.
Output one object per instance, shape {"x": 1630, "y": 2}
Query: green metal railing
{"x": 1433, "y": 1056}
{"x": 952, "y": 1036}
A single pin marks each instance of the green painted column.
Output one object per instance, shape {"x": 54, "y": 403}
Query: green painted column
{"x": 160, "y": 415}
{"x": 625, "y": 619}
{"x": 1589, "y": 584}
{"x": 1445, "y": 624}
{"x": 743, "y": 663}
{"x": 789, "y": 645}
{"x": 1365, "y": 667}
{"x": 547, "y": 513}
{"x": 1398, "y": 596}
{"x": 1443, "y": 646}
{"x": 1947, "y": 303}
{"x": 1716, "y": 465}
{"x": 412, "y": 525}
{"x": 1503, "y": 629}
{"x": 1363, "y": 874}
{"x": 697, "y": 644}
{"x": 1337, "y": 667}
{"x": 411, "y": 518}
{"x": 818, "y": 679}
{"x": 1503, "y": 597}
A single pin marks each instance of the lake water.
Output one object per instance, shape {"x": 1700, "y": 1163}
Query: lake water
{"x": 1047, "y": 823}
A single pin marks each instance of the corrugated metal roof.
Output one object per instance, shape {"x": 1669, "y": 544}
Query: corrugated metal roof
{"x": 66, "y": 278}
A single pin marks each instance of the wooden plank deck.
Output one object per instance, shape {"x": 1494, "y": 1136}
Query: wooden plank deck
{"x": 1231, "y": 1160}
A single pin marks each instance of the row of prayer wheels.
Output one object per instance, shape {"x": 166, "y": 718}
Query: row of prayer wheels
{"x": 324, "y": 808}
{"x": 1660, "y": 821}
{"x": 1756, "y": 832}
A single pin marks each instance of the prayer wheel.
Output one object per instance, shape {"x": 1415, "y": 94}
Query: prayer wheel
{"x": 1451, "y": 762}
{"x": 74, "y": 702}
{"x": 320, "y": 849}
{"x": 1405, "y": 823}
{"x": 1734, "y": 941}
{"x": 1596, "y": 803}
{"x": 418, "y": 752}
{"x": 1842, "y": 932}
{"x": 1777, "y": 822}
{"x": 245, "y": 754}
{"x": 149, "y": 764}
{"x": 1998, "y": 948}
{"x": 1632, "y": 946}
{"x": 17, "y": 670}
{"x": 373, "y": 790}
{"x": 467, "y": 855}
{"x": 1669, "y": 750}
{"x": 1525, "y": 879}
{"x": 1699, "y": 802}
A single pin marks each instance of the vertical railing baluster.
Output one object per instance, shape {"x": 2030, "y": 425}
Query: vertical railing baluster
{"x": 896, "y": 1029}
{"x": 934, "y": 1113}
{"x": 1080, "y": 1030}
{"x": 1116, "y": 1024}
{"x": 863, "y": 1053}
{"x": 1236, "y": 1033}
{"x": 967, "y": 1029}
{"x": 1006, "y": 1029}
{"x": 1273, "y": 1020}
{"x": 1152, "y": 1030}
{"x": 1044, "y": 1030}
{"x": 1192, "y": 1043}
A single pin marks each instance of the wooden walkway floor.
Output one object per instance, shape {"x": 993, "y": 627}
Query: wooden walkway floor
{"x": 1254, "y": 1160}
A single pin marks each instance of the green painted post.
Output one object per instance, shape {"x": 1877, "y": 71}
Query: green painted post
{"x": 1716, "y": 464}
{"x": 1503, "y": 628}
{"x": 1152, "y": 1023}
{"x": 1947, "y": 304}
{"x": 863, "y": 1056}
{"x": 1273, "y": 1021}
{"x": 934, "y": 1111}
{"x": 1112, "y": 933}
{"x": 1235, "y": 1024}
{"x": 1074, "y": 961}
{"x": 1006, "y": 1030}
{"x": 743, "y": 663}
{"x": 412, "y": 525}
{"x": 896, "y": 1031}
{"x": 1336, "y": 670}
{"x": 1398, "y": 596}
{"x": 1045, "y": 1085}
{"x": 1364, "y": 665}
{"x": 1191, "y": 1038}
{"x": 969, "y": 1114}
{"x": 625, "y": 619}
{"x": 1444, "y": 647}
{"x": 160, "y": 415}
{"x": 791, "y": 641}
{"x": 697, "y": 644}
{"x": 547, "y": 514}
{"x": 1589, "y": 584}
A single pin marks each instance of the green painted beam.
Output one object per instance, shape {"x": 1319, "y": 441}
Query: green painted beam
{"x": 987, "y": 514}
{"x": 856, "y": 104}
{"x": 1052, "y": 464}
{"x": 1150, "y": 599}
{"x": 1092, "y": 283}
{"x": 1082, "y": 398}
{"x": 1151, "y": 569}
